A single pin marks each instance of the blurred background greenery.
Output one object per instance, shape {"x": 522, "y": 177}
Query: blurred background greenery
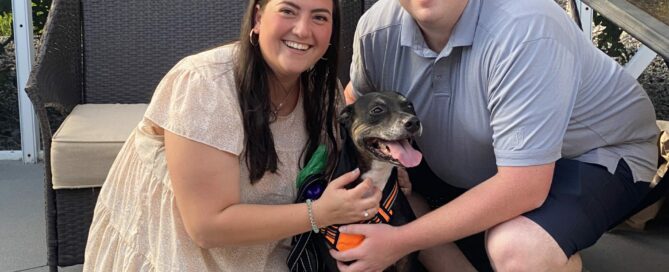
{"x": 40, "y": 11}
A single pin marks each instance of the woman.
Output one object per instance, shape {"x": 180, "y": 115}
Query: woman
{"x": 206, "y": 181}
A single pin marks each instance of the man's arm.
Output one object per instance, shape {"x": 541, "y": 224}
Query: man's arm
{"x": 349, "y": 94}
{"x": 508, "y": 194}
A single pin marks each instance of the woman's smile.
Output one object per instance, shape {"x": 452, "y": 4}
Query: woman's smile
{"x": 296, "y": 45}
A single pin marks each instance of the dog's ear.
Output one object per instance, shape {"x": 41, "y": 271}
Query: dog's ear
{"x": 346, "y": 115}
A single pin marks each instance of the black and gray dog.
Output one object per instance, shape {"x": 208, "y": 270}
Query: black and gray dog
{"x": 381, "y": 127}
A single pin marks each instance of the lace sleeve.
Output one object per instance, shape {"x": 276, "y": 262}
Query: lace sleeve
{"x": 192, "y": 103}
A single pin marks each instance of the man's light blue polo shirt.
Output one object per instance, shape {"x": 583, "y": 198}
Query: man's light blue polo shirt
{"x": 517, "y": 84}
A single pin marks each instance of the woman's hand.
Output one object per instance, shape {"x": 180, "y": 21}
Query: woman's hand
{"x": 339, "y": 205}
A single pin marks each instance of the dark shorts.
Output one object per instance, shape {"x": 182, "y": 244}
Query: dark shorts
{"x": 584, "y": 201}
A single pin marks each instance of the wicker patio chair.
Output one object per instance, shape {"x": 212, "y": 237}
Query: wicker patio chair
{"x": 369, "y": 3}
{"x": 113, "y": 53}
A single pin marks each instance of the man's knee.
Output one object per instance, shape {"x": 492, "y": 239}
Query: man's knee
{"x": 522, "y": 245}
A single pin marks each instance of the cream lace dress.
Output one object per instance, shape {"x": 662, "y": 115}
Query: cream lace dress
{"x": 137, "y": 227}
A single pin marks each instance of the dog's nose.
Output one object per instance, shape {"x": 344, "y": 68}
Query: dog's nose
{"x": 412, "y": 125}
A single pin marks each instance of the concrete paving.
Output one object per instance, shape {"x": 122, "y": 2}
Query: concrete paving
{"x": 631, "y": 251}
{"x": 22, "y": 232}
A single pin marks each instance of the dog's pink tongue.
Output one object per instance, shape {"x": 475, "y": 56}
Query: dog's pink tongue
{"x": 404, "y": 153}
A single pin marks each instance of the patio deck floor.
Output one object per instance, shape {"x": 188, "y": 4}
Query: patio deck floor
{"x": 22, "y": 232}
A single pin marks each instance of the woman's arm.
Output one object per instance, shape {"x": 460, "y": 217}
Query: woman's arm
{"x": 206, "y": 186}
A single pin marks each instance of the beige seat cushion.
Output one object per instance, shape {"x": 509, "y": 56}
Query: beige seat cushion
{"x": 663, "y": 143}
{"x": 639, "y": 220}
{"x": 87, "y": 142}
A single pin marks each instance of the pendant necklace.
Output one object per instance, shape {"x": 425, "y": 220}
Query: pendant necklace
{"x": 278, "y": 107}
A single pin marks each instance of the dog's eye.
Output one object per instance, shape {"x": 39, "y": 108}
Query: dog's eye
{"x": 376, "y": 110}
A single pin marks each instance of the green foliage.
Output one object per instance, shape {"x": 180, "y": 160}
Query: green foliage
{"x": 5, "y": 24}
{"x": 609, "y": 40}
{"x": 40, "y": 11}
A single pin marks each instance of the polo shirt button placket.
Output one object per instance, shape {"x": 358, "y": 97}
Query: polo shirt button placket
{"x": 439, "y": 75}
{"x": 436, "y": 78}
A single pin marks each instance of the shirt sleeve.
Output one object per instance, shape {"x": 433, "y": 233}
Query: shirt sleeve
{"x": 358, "y": 72}
{"x": 531, "y": 97}
{"x": 189, "y": 104}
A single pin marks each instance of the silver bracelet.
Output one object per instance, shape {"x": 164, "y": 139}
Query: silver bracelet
{"x": 312, "y": 221}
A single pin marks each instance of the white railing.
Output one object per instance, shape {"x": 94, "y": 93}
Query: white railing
{"x": 23, "y": 41}
{"x": 643, "y": 57}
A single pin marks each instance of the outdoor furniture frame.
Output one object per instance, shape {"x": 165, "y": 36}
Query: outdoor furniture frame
{"x": 112, "y": 51}
{"x": 646, "y": 27}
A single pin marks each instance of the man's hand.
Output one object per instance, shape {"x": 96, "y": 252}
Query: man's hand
{"x": 349, "y": 94}
{"x": 375, "y": 253}
{"x": 403, "y": 181}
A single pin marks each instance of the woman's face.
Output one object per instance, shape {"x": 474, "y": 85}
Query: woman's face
{"x": 293, "y": 34}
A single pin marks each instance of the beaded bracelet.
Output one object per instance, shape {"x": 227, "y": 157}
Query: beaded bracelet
{"x": 312, "y": 221}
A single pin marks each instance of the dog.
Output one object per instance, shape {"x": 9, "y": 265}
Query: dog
{"x": 382, "y": 126}
{"x": 380, "y": 129}
{"x": 377, "y": 132}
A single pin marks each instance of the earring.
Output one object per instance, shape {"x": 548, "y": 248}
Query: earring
{"x": 324, "y": 58}
{"x": 251, "y": 38}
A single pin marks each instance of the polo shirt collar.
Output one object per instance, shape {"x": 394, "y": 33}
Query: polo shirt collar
{"x": 411, "y": 35}
{"x": 463, "y": 33}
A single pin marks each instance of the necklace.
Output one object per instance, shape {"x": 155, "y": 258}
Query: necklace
{"x": 278, "y": 107}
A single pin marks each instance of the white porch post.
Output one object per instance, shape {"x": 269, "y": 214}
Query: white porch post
{"x": 23, "y": 40}
{"x": 585, "y": 13}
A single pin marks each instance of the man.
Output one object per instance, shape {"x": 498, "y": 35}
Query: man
{"x": 551, "y": 143}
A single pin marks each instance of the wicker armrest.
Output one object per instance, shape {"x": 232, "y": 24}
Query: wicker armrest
{"x": 56, "y": 78}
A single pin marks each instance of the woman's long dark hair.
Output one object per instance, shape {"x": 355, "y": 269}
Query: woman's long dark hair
{"x": 320, "y": 94}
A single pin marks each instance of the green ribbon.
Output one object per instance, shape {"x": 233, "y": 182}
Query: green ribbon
{"x": 315, "y": 165}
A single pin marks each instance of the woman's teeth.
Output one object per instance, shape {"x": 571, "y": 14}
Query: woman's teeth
{"x": 297, "y": 46}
